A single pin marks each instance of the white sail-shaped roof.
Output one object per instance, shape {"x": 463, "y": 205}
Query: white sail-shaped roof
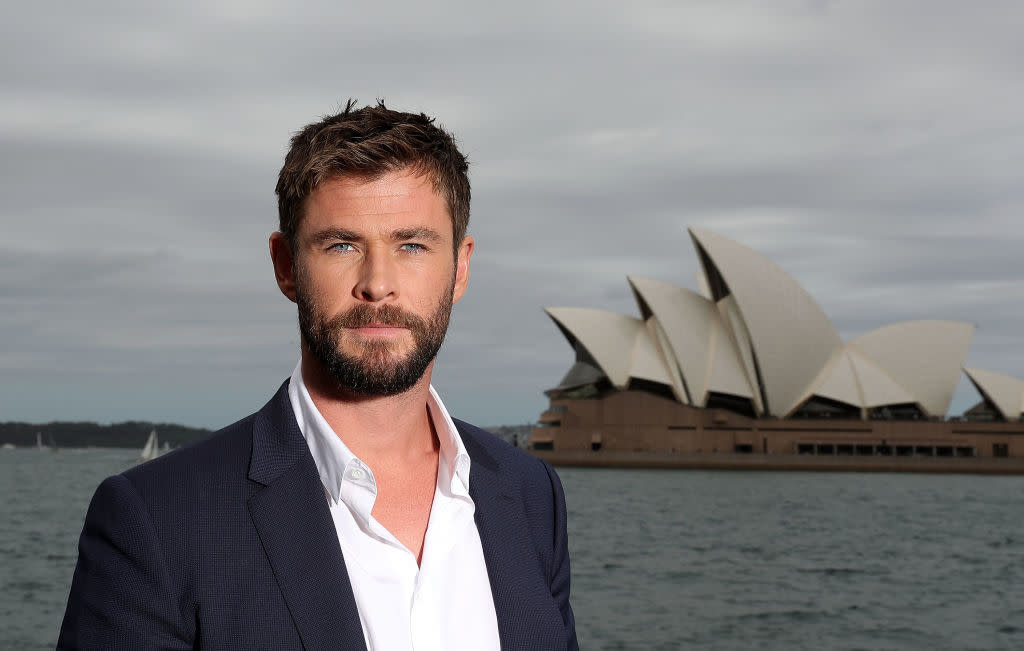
{"x": 702, "y": 285}
{"x": 855, "y": 380}
{"x": 838, "y": 382}
{"x": 924, "y": 357}
{"x": 609, "y": 337}
{"x": 706, "y": 357}
{"x": 877, "y": 386}
{"x": 757, "y": 334}
{"x": 1006, "y": 393}
{"x": 648, "y": 363}
{"x": 685, "y": 320}
{"x": 739, "y": 336}
{"x": 791, "y": 336}
{"x": 660, "y": 339}
{"x": 620, "y": 344}
{"x": 726, "y": 373}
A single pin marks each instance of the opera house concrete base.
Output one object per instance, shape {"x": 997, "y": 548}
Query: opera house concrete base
{"x": 641, "y": 429}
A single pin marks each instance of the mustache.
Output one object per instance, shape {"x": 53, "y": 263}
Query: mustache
{"x": 365, "y": 314}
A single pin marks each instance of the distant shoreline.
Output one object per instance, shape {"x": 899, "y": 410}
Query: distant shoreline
{"x": 133, "y": 434}
{"x": 782, "y": 462}
{"x": 70, "y": 434}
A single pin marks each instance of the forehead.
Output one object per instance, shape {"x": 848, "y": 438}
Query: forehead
{"x": 392, "y": 200}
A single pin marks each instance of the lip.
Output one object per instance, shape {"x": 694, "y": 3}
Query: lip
{"x": 380, "y": 330}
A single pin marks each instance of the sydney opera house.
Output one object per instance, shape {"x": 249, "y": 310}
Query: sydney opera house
{"x": 751, "y": 364}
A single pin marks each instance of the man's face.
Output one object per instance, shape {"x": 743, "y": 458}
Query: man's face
{"x": 375, "y": 280}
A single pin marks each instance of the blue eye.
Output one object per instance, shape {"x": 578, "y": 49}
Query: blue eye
{"x": 412, "y": 246}
{"x": 341, "y": 246}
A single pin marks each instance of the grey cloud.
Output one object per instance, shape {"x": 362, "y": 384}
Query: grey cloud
{"x": 870, "y": 149}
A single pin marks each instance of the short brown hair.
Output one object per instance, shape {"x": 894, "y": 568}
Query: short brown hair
{"x": 367, "y": 143}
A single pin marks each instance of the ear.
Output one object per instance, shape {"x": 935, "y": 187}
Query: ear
{"x": 465, "y": 252}
{"x": 284, "y": 264}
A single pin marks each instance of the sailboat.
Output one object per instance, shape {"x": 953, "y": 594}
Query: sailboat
{"x": 151, "y": 450}
{"x": 39, "y": 441}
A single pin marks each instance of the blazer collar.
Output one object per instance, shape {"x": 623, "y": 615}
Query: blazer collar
{"x": 277, "y": 443}
{"x": 294, "y": 523}
{"x": 503, "y": 526}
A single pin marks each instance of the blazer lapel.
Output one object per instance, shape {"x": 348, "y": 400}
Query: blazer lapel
{"x": 507, "y": 549}
{"x": 295, "y": 527}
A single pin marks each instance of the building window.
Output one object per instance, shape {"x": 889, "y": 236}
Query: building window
{"x": 735, "y": 404}
{"x": 1000, "y": 450}
{"x": 818, "y": 407}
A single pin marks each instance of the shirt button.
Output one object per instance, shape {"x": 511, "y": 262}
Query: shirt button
{"x": 356, "y": 473}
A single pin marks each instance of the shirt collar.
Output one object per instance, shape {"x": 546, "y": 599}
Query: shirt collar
{"x": 453, "y": 460}
{"x": 336, "y": 463}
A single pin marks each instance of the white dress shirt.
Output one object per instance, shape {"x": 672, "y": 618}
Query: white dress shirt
{"x": 445, "y": 602}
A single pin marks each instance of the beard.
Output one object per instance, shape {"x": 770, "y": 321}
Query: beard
{"x": 377, "y": 370}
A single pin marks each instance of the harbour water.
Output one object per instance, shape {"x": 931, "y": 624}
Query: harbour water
{"x": 668, "y": 559}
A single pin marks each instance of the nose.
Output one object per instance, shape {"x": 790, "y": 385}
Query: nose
{"x": 376, "y": 281}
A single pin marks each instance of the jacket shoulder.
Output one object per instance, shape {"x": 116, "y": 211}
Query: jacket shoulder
{"x": 506, "y": 455}
{"x": 225, "y": 452}
{"x": 225, "y": 455}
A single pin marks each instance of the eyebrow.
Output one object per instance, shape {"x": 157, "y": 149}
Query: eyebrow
{"x": 416, "y": 233}
{"x": 334, "y": 234}
{"x": 400, "y": 235}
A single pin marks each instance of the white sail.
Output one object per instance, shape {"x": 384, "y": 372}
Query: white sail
{"x": 39, "y": 441}
{"x": 151, "y": 450}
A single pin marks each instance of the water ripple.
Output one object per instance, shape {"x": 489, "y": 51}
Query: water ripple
{"x": 705, "y": 560}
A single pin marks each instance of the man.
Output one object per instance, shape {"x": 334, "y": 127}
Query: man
{"x": 351, "y": 511}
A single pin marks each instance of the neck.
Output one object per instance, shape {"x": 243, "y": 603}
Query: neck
{"x": 380, "y": 430}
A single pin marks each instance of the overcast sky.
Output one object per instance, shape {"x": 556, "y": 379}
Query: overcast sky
{"x": 871, "y": 149}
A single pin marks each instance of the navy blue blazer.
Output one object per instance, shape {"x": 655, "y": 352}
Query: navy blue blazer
{"x": 228, "y": 543}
